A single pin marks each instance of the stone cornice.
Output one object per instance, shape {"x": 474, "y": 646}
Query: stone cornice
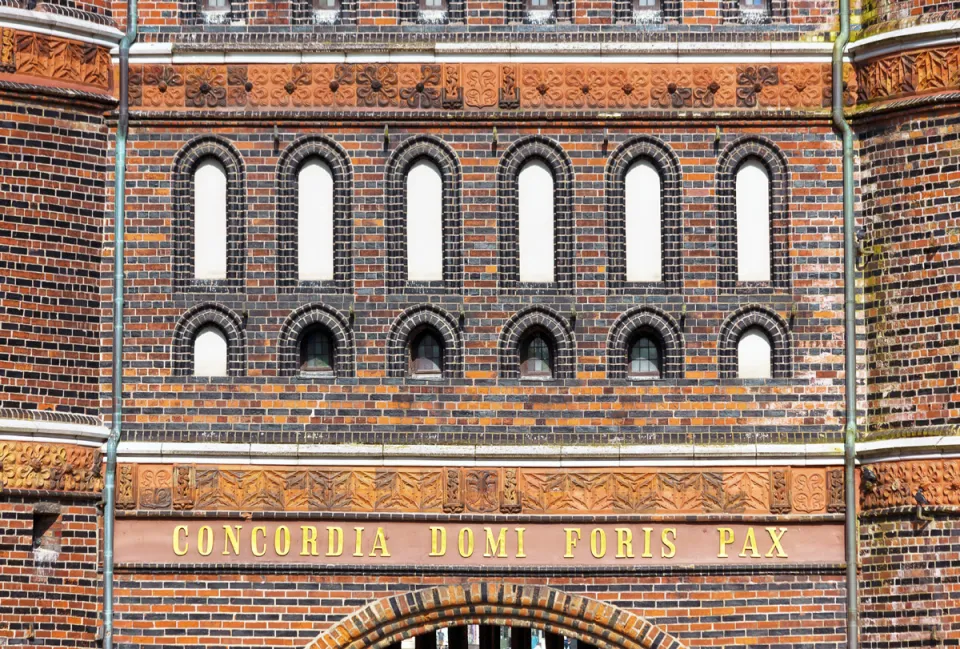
{"x": 52, "y": 24}
{"x": 901, "y": 40}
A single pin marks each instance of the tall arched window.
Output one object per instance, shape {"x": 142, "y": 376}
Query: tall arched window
{"x": 426, "y": 356}
{"x": 210, "y": 220}
{"x": 424, "y": 222}
{"x": 754, "y": 354}
{"x": 210, "y": 352}
{"x": 753, "y": 222}
{"x": 535, "y": 209}
{"x": 317, "y": 352}
{"x": 315, "y": 220}
{"x": 536, "y": 357}
{"x": 642, "y": 206}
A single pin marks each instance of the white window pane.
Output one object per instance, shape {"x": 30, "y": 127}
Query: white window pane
{"x": 642, "y": 188}
{"x": 424, "y": 222}
{"x": 753, "y": 222}
{"x": 210, "y": 352}
{"x": 210, "y": 220}
{"x": 535, "y": 206}
{"x": 754, "y": 355}
{"x": 315, "y": 220}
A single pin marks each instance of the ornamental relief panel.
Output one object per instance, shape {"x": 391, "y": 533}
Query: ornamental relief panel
{"x": 896, "y": 484}
{"x": 910, "y": 73}
{"x": 70, "y": 63}
{"x": 468, "y": 86}
{"x": 472, "y": 490}
{"x": 51, "y": 467}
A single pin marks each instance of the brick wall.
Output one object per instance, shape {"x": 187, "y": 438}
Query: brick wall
{"x": 52, "y": 205}
{"x": 51, "y": 600}
{"x": 909, "y": 197}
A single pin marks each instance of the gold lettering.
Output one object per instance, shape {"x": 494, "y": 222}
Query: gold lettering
{"x": 520, "y": 553}
{"x": 380, "y": 543}
{"x": 668, "y": 543}
{"x": 776, "y": 534}
{"x": 260, "y": 529}
{"x": 205, "y": 541}
{"x": 438, "y": 541}
{"x": 358, "y": 546}
{"x": 232, "y": 538}
{"x": 281, "y": 540}
{"x": 177, "y": 548}
{"x": 726, "y": 538}
{"x": 334, "y": 541}
{"x": 646, "y": 543}
{"x": 571, "y": 541}
{"x": 308, "y": 547}
{"x": 598, "y": 543}
{"x": 624, "y": 543}
{"x": 465, "y": 542}
{"x": 498, "y": 549}
{"x": 750, "y": 543}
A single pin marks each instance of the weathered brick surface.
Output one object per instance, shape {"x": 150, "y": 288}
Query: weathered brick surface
{"x": 52, "y": 205}
{"x": 910, "y": 194}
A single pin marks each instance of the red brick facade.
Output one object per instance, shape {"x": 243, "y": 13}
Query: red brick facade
{"x": 588, "y": 93}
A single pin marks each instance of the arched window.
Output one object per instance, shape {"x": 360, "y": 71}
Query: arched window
{"x": 210, "y": 220}
{"x": 535, "y": 208}
{"x": 426, "y": 355}
{"x": 317, "y": 352}
{"x": 536, "y": 357}
{"x": 754, "y": 354}
{"x": 210, "y": 352}
{"x": 753, "y": 222}
{"x": 645, "y": 359}
{"x": 642, "y": 206}
{"x": 424, "y": 222}
{"x": 215, "y": 11}
{"x": 315, "y": 220}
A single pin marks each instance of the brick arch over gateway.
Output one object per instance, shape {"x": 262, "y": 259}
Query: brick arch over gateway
{"x": 389, "y": 620}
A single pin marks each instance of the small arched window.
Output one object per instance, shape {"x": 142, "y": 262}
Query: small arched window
{"x": 535, "y": 211}
{"x": 753, "y": 222}
{"x": 536, "y": 358}
{"x": 754, "y": 354}
{"x": 642, "y": 206}
{"x": 645, "y": 359}
{"x": 424, "y": 222}
{"x": 215, "y": 12}
{"x": 315, "y": 220}
{"x": 426, "y": 355}
{"x": 210, "y": 352}
{"x": 210, "y": 220}
{"x": 317, "y": 352}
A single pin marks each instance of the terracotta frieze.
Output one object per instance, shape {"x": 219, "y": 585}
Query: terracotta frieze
{"x": 481, "y": 86}
{"x": 39, "y": 58}
{"x": 54, "y": 467}
{"x": 896, "y": 484}
{"x": 481, "y": 490}
{"x": 910, "y": 73}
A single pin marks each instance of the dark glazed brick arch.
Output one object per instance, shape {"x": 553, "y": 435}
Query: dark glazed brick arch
{"x": 522, "y": 151}
{"x": 184, "y": 166}
{"x": 551, "y": 323}
{"x": 645, "y": 320}
{"x": 193, "y": 321}
{"x": 413, "y": 321}
{"x": 440, "y": 154}
{"x": 392, "y": 619}
{"x": 671, "y": 215}
{"x": 727, "y": 165}
{"x": 304, "y": 319}
{"x": 755, "y": 316}
{"x": 333, "y": 155}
